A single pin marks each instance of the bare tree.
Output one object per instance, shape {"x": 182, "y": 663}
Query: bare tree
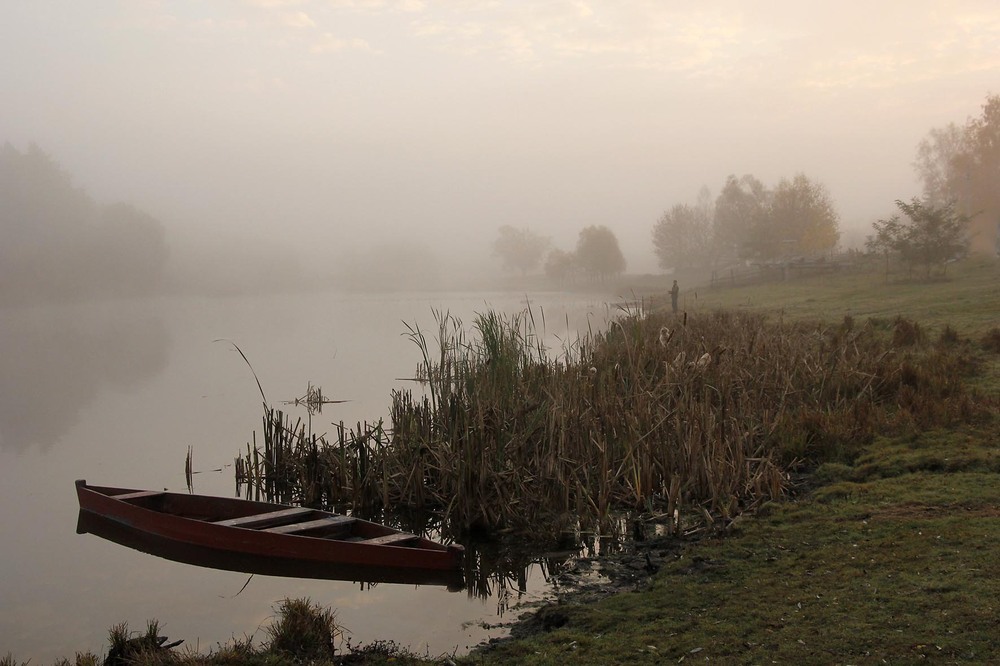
{"x": 934, "y": 164}
{"x": 962, "y": 165}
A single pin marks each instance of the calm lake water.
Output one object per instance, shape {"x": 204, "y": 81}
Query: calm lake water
{"x": 115, "y": 393}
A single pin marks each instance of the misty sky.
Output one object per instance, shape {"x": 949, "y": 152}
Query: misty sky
{"x": 321, "y": 122}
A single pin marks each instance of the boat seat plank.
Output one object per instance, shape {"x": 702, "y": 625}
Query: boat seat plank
{"x": 330, "y": 521}
{"x": 137, "y": 495}
{"x": 266, "y": 519}
{"x": 388, "y": 539}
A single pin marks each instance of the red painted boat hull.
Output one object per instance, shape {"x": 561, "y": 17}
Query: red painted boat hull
{"x": 195, "y": 520}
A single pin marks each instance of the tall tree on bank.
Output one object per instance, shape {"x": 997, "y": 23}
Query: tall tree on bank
{"x": 560, "y": 266}
{"x": 962, "y": 165}
{"x": 682, "y": 237}
{"x": 520, "y": 249}
{"x": 930, "y": 237}
{"x": 748, "y": 220}
{"x": 739, "y": 208}
{"x": 598, "y": 253}
{"x": 800, "y": 219}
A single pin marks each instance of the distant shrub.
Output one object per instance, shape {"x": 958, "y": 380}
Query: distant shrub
{"x": 906, "y": 333}
{"x": 991, "y": 341}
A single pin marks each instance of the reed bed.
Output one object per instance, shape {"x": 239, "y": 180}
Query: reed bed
{"x": 691, "y": 420}
{"x": 292, "y": 465}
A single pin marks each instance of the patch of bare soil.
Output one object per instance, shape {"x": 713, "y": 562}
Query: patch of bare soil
{"x": 588, "y": 579}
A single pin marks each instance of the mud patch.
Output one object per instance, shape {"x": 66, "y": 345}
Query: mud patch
{"x": 586, "y": 580}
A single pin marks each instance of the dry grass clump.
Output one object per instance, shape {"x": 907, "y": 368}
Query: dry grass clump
{"x": 127, "y": 647}
{"x": 303, "y": 631}
{"x": 949, "y": 336}
{"x": 10, "y": 660}
{"x": 701, "y": 416}
{"x": 991, "y": 341}
{"x": 906, "y": 333}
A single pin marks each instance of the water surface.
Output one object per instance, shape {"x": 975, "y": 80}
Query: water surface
{"x": 115, "y": 392}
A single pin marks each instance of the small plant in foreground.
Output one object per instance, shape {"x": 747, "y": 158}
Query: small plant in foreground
{"x": 150, "y": 648}
{"x": 82, "y": 659}
{"x": 381, "y": 651}
{"x": 303, "y": 631}
{"x": 236, "y": 652}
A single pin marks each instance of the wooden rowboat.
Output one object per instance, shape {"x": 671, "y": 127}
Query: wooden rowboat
{"x": 290, "y": 538}
{"x": 212, "y": 558}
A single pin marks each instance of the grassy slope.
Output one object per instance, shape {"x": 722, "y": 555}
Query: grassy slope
{"x": 894, "y": 559}
{"x": 967, "y": 299}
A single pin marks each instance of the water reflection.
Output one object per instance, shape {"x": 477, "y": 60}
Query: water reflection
{"x": 491, "y": 569}
{"x": 89, "y": 523}
{"x": 501, "y": 571}
{"x": 102, "y": 390}
{"x": 55, "y": 362}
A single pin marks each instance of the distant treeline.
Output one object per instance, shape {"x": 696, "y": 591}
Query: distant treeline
{"x": 59, "y": 244}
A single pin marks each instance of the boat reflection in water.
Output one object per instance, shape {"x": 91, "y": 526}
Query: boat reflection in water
{"x": 203, "y": 556}
{"x": 489, "y": 570}
{"x": 502, "y": 569}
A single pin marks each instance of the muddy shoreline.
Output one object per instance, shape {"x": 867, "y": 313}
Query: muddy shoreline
{"x": 586, "y": 580}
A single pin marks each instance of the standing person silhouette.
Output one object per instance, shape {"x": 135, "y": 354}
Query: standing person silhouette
{"x": 674, "y": 291}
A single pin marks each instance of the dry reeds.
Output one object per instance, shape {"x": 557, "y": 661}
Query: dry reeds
{"x": 695, "y": 419}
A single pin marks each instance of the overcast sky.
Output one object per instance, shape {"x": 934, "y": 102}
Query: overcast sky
{"x": 328, "y": 121}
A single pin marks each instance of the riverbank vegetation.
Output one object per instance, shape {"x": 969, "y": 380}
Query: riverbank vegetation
{"x": 874, "y": 413}
{"x": 686, "y": 420}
